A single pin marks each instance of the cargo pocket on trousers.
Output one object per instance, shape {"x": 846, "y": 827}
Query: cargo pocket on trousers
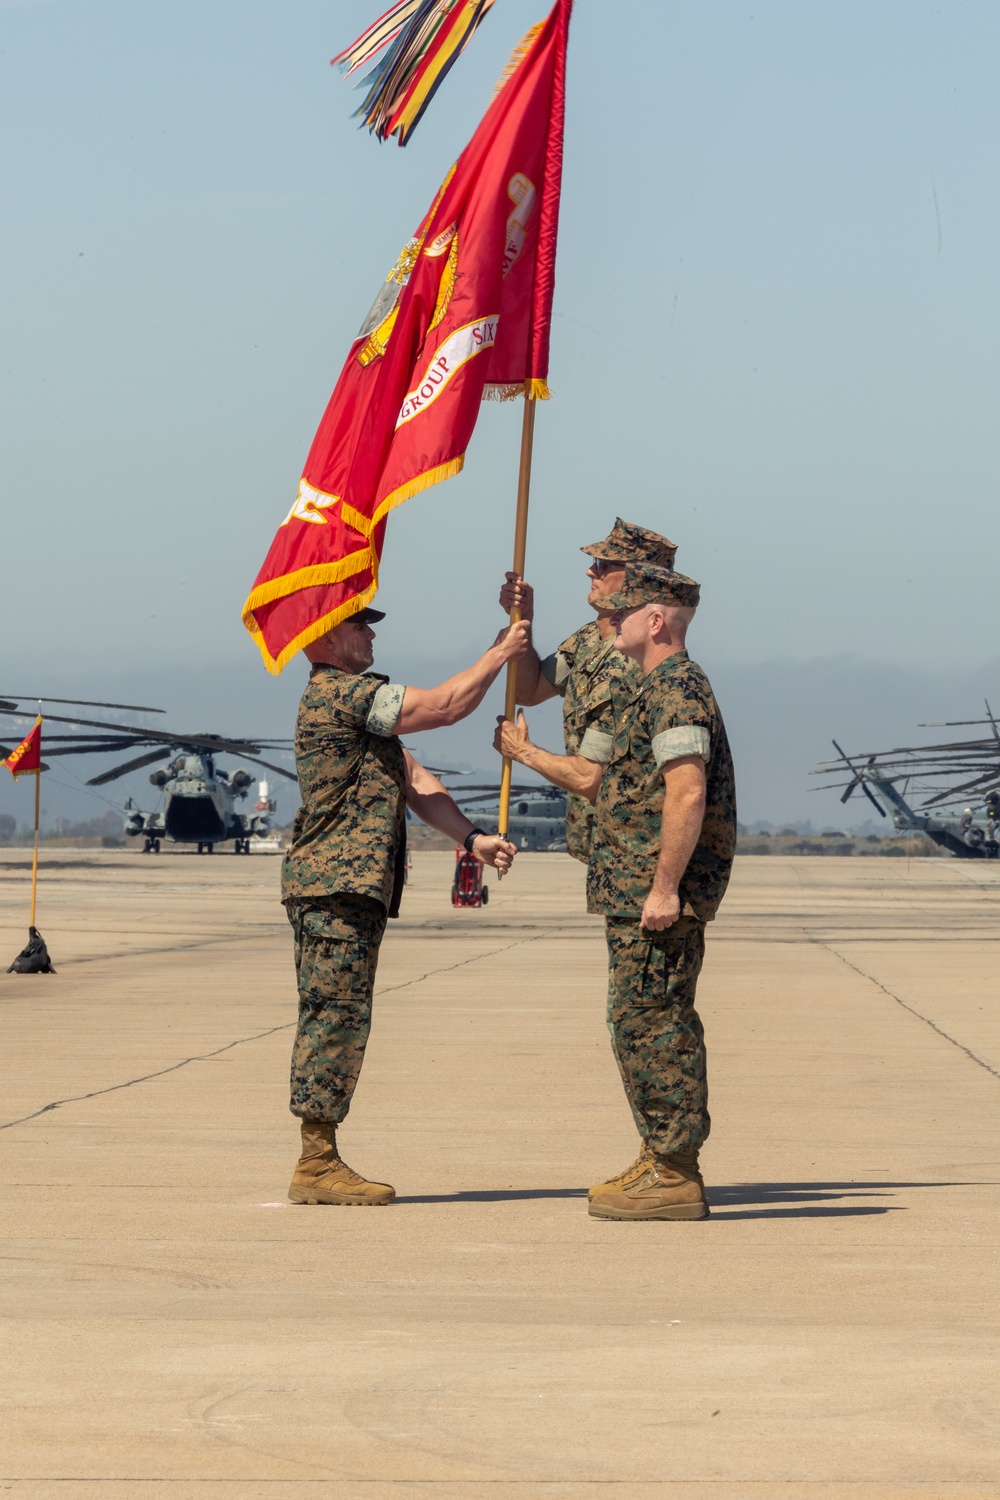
{"x": 335, "y": 958}
{"x": 667, "y": 973}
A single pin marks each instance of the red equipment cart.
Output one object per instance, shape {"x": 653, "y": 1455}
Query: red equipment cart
{"x": 467, "y": 888}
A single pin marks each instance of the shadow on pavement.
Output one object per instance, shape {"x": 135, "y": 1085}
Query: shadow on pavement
{"x": 805, "y": 1198}
{"x": 805, "y": 1213}
{"x": 745, "y": 1200}
{"x": 790, "y": 1192}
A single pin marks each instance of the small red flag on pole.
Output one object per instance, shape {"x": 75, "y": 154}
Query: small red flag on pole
{"x": 463, "y": 314}
{"x": 28, "y": 754}
{"x": 26, "y": 759}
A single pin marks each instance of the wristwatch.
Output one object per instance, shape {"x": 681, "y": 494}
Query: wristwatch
{"x": 471, "y": 838}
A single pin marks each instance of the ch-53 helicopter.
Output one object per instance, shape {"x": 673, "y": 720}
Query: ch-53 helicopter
{"x": 971, "y": 834}
{"x": 199, "y": 798}
{"x": 537, "y": 813}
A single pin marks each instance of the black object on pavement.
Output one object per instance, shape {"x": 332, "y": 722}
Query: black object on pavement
{"x": 33, "y": 957}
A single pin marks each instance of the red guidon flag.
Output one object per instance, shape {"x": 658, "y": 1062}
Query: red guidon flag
{"x": 28, "y": 754}
{"x": 463, "y": 314}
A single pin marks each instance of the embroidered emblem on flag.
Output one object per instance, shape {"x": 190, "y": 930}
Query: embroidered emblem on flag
{"x": 455, "y": 352}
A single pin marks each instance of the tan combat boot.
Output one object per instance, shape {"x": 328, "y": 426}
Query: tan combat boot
{"x": 321, "y": 1176}
{"x": 670, "y": 1187}
{"x": 639, "y": 1166}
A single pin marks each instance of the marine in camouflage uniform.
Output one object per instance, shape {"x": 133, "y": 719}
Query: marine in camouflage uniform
{"x": 588, "y": 674}
{"x": 591, "y": 676}
{"x": 342, "y": 877}
{"x": 656, "y": 1032}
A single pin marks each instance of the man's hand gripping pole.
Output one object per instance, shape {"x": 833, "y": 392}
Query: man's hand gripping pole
{"x": 520, "y": 543}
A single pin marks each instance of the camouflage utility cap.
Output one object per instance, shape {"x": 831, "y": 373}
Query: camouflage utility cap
{"x": 628, "y": 543}
{"x": 644, "y": 585}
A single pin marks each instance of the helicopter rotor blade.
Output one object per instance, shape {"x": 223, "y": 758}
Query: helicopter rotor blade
{"x": 873, "y": 799}
{"x": 102, "y": 749}
{"x": 978, "y": 799}
{"x": 280, "y": 770}
{"x": 493, "y": 796}
{"x": 136, "y": 708}
{"x": 950, "y": 747}
{"x": 993, "y": 722}
{"x": 146, "y": 733}
{"x": 954, "y": 791}
{"x": 439, "y": 770}
{"x": 129, "y": 765}
{"x": 901, "y": 775}
{"x": 98, "y": 739}
{"x": 520, "y": 788}
{"x": 213, "y": 743}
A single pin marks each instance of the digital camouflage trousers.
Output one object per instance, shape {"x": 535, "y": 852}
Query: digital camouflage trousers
{"x": 656, "y": 1033}
{"x": 336, "y": 954}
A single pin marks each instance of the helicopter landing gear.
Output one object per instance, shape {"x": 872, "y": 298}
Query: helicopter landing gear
{"x": 241, "y": 846}
{"x": 151, "y": 846}
{"x": 205, "y": 848}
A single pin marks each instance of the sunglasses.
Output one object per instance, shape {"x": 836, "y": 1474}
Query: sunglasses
{"x": 602, "y": 565}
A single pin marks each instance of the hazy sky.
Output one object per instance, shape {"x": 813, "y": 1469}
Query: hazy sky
{"x": 775, "y": 339}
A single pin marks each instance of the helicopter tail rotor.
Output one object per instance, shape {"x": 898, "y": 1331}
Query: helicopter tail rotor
{"x": 858, "y": 780}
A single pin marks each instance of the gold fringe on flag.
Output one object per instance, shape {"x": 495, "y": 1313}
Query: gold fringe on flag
{"x": 518, "y": 55}
{"x": 535, "y": 390}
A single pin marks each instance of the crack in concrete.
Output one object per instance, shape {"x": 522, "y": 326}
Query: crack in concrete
{"x": 447, "y": 968}
{"x": 114, "y": 1088}
{"x": 979, "y": 1061}
{"x": 145, "y": 1078}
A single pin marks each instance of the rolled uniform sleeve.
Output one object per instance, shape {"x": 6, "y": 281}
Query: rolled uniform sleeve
{"x": 384, "y": 712}
{"x": 596, "y": 745}
{"x": 683, "y": 739}
{"x": 556, "y": 669}
{"x": 672, "y": 716}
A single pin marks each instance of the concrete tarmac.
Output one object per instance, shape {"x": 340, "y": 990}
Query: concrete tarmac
{"x": 176, "y": 1330}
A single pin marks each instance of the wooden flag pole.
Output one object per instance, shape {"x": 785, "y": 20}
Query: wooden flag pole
{"x": 520, "y": 542}
{"x": 34, "y": 852}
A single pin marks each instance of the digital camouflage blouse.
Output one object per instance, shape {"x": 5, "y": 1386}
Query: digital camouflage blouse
{"x": 589, "y": 674}
{"x": 673, "y": 713}
{"x": 350, "y": 832}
